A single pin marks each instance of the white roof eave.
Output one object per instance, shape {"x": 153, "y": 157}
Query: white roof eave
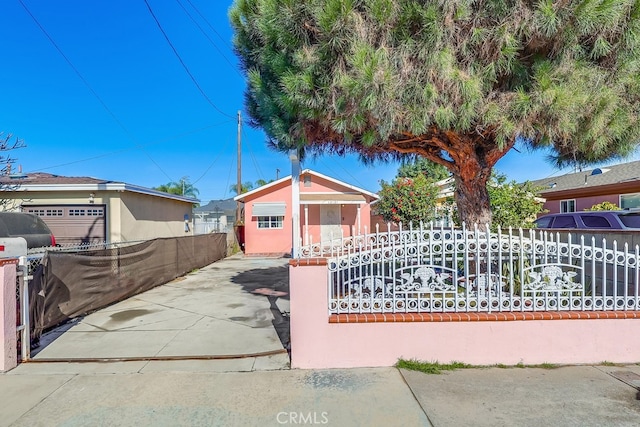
{"x": 242, "y": 196}
{"x": 110, "y": 186}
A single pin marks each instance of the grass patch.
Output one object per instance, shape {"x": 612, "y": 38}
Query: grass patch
{"x": 607, "y": 363}
{"x": 430, "y": 367}
{"x": 437, "y": 368}
{"x": 544, "y": 366}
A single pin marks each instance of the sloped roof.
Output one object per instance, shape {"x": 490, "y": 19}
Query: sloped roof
{"x": 286, "y": 179}
{"x": 48, "y": 182}
{"x": 47, "y": 178}
{"x": 596, "y": 177}
{"x": 222, "y": 205}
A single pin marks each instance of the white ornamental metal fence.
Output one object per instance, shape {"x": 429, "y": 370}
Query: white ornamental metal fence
{"x": 428, "y": 269}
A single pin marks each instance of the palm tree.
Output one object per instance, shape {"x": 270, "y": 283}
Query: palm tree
{"x": 181, "y": 188}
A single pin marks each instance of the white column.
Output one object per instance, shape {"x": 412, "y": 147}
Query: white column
{"x": 358, "y": 220}
{"x": 306, "y": 224}
{"x": 295, "y": 202}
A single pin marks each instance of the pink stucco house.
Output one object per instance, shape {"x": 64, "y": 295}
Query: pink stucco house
{"x": 328, "y": 208}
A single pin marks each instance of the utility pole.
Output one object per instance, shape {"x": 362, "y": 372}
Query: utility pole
{"x": 239, "y": 183}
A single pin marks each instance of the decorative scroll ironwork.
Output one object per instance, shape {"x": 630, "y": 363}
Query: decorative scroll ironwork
{"x": 461, "y": 270}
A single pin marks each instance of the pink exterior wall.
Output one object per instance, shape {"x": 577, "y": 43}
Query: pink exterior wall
{"x": 279, "y": 241}
{"x": 317, "y": 344}
{"x": 268, "y": 241}
{"x": 582, "y": 203}
{"x": 8, "y": 342}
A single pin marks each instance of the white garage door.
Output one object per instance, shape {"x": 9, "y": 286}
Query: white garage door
{"x": 73, "y": 224}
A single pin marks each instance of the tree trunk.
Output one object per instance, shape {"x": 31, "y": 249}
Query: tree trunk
{"x": 470, "y": 159}
{"x": 471, "y": 168}
{"x": 472, "y": 199}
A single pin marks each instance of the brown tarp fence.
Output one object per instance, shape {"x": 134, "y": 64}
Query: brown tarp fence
{"x": 71, "y": 284}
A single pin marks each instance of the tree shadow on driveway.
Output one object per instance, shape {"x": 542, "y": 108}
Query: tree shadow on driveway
{"x": 272, "y": 283}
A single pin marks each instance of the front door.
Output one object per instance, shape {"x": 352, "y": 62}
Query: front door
{"x": 330, "y": 220}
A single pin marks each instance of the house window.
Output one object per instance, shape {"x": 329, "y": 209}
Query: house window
{"x": 307, "y": 180}
{"x": 628, "y": 201}
{"x": 270, "y": 221}
{"x": 567, "y": 206}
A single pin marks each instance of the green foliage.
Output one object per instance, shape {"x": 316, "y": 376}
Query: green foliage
{"x": 248, "y": 186}
{"x": 456, "y": 82}
{"x": 407, "y": 200}
{"x": 604, "y": 206}
{"x": 430, "y": 367}
{"x": 432, "y": 171}
{"x": 437, "y": 368}
{"x": 244, "y": 187}
{"x": 512, "y": 204}
{"x": 180, "y": 188}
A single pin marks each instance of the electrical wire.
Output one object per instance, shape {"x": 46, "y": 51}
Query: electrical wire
{"x": 227, "y": 187}
{"x": 208, "y": 23}
{"x": 253, "y": 160}
{"x": 86, "y": 83}
{"x": 152, "y": 143}
{"x": 344, "y": 169}
{"x": 212, "y": 163}
{"x": 209, "y": 38}
{"x": 184, "y": 66}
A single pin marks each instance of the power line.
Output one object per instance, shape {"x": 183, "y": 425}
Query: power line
{"x": 207, "y": 22}
{"x": 212, "y": 163}
{"x": 344, "y": 169}
{"x": 86, "y": 83}
{"x": 186, "y": 69}
{"x": 207, "y": 36}
{"x": 160, "y": 141}
{"x": 226, "y": 187}
{"x": 253, "y": 160}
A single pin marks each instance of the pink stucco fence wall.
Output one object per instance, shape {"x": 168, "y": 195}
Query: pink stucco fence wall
{"x": 340, "y": 341}
{"x": 8, "y": 341}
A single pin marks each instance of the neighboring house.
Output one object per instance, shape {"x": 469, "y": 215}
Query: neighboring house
{"x": 217, "y": 216}
{"x": 84, "y": 210}
{"x": 328, "y": 208}
{"x": 618, "y": 184}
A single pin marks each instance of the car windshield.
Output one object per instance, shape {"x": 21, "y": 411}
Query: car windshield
{"x": 631, "y": 220}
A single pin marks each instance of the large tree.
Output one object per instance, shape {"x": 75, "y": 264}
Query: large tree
{"x": 456, "y": 81}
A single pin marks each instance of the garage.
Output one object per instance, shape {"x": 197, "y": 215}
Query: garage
{"x": 73, "y": 224}
{"x": 89, "y": 210}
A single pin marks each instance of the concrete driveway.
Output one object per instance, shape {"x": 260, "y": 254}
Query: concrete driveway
{"x": 235, "y": 311}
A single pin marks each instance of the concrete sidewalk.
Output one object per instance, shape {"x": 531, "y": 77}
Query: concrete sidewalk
{"x": 566, "y": 396}
{"x": 124, "y": 394}
{"x": 366, "y": 397}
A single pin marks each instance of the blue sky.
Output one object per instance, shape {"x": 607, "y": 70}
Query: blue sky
{"x": 120, "y": 106}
